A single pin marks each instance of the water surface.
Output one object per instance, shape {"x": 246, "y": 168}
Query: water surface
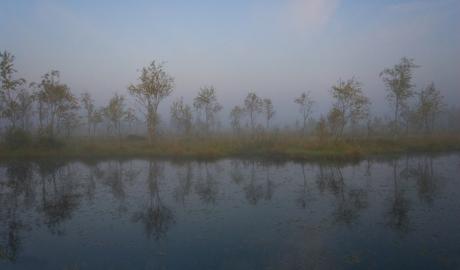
{"x": 401, "y": 213}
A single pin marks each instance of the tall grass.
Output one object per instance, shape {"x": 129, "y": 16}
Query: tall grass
{"x": 281, "y": 146}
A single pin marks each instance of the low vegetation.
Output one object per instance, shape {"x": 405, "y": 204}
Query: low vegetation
{"x": 272, "y": 147}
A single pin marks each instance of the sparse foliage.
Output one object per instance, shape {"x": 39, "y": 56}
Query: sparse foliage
{"x": 253, "y": 106}
{"x": 115, "y": 112}
{"x": 130, "y": 118}
{"x": 181, "y": 116}
{"x": 268, "y": 110}
{"x": 10, "y": 89}
{"x": 398, "y": 83}
{"x": 25, "y": 102}
{"x": 305, "y": 103}
{"x": 88, "y": 104}
{"x": 350, "y": 104}
{"x": 206, "y": 104}
{"x": 155, "y": 85}
{"x": 321, "y": 128}
{"x": 97, "y": 119}
{"x": 235, "y": 118}
{"x": 335, "y": 120}
{"x": 429, "y": 106}
{"x": 55, "y": 100}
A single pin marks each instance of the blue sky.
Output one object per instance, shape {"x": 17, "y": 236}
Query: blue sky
{"x": 276, "y": 48}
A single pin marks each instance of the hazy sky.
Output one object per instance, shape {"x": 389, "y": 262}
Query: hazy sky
{"x": 276, "y": 48}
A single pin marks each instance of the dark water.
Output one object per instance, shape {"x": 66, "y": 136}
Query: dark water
{"x": 390, "y": 214}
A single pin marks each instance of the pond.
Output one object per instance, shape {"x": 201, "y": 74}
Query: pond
{"x": 388, "y": 213}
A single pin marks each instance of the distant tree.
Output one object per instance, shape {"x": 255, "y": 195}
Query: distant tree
{"x": 181, "y": 116}
{"x": 268, "y": 110}
{"x": 96, "y": 119}
{"x": 10, "y": 89}
{"x": 130, "y": 118}
{"x": 253, "y": 106}
{"x": 321, "y": 128}
{"x": 88, "y": 105}
{"x": 350, "y": 102}
{"x": 335, "y": 120}
{"x": 25, "y": 101}
{"x": 55, "y": 100}
{"x": 155, "y": 85}
{"x": 115, "y": 112}
{"x": 375, "y": 125}
{"x": 408, "y": 117}
{"x": 398, "y": 82}
{"x": 235, "y": 118}
{"x": 206, "y": 103}
{"x": 429, "y": 106}
{"x": 69, "y": 121}
{"x": 305, "y": 103}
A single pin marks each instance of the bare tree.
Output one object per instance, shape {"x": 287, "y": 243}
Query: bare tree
{"x": 88, "y": 105}
{"x": 206, "y": 103}
{"x": 154, "y": 86}
{"x": 253, "y": 106}
{"x": 268, "y": 110}
{"x": 9, "y": 91}
{"x": 235, "y": 118}
{"x": 429, "y": 106}
{"x": 181, "y": 116}
{"x": 305, "y": 103}
{"x": 398, "y": 82}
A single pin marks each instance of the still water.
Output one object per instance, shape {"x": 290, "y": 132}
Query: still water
{"x": 400, "y": 213}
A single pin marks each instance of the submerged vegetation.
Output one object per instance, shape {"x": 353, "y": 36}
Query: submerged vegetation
{"x": 47, "y": 119}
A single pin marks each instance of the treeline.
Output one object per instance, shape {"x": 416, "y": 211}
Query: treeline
{"x": 50, "y": 110}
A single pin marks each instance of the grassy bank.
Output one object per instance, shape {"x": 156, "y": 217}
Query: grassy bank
{"x": 281, "y": 147}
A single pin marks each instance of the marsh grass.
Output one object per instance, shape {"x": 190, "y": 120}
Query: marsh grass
{"x": 223, "y": 146}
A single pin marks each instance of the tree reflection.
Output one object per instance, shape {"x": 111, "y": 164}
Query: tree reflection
{"x": 33, "y": 194}
{"x": 304, "y": 191}
{"x": 427, "y": 179}
{"x": 16, "y": 191}
{"x": 185, "y": 184}
{"x": 94, "y": 173}
{"x": 114, "y": 179}
{"x": 398, "y": 213}
{"x": 59, "y": 194}
{"x": 235, "y": 171}
{"x": 156, "y": 217}
{"x": 350, "y": 201}
{"x": 269, "y": 185}
{"x": 254, "y": 191}
{"x": 206, "y": 186}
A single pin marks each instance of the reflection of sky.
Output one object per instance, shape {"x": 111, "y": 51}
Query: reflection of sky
{"x": 276, "y": 48}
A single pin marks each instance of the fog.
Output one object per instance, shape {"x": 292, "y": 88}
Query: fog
{"x": 276, "y": 48}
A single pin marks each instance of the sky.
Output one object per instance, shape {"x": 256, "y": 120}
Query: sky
{"x": 277, "y": 48}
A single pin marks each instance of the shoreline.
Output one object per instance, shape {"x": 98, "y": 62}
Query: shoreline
{"x": 300, "y": 149}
